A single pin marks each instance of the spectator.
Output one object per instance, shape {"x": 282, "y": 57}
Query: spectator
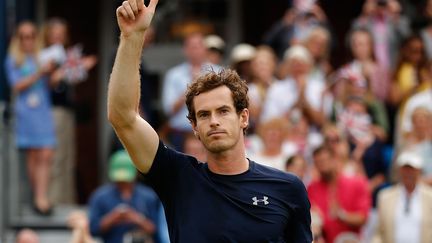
{"x": 364, "y": 63}
{"x": 124, "y": 207}
{"x": 79, "y": 224}
{"x": 412, "y": 73}
{"x": 240, "y": 60}
{"x": 419, "y": 140}
{"x": 27, "y": 236}
{"x": 306, "y": 94}
{"x": 215, "y": 49}
{"x": 295, "y": 26}
{"x": 342, "y": 201}
{"x": 365, "y": 148}
{"x": 263, "y": 75}
{"x": 297, "y": 165}
{"x": 317, "y": 41}
{"x": 34, "y": 126}
{"x": 383, "y": 19}
{"x": 339, "y": 148}
{"x": 301, "y": 138}
{"x": 421, "y": 99}
{"x": 355, "y": 85}
{"x": 404, "y": 209}
{"x": 56, "y": 37}
{"x": 194, "y": 147}
{"x": 271, "y": 134}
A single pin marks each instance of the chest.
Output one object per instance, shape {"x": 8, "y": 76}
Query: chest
{"x": 230, "y": 212}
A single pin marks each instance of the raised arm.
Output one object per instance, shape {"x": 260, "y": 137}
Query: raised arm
{"x": 138, "y": 137}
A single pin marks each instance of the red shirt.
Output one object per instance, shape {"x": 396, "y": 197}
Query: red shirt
{"x": 351, "y": 194}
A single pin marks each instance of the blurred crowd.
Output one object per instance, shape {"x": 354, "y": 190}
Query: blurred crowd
{"x": 359, "y": 135}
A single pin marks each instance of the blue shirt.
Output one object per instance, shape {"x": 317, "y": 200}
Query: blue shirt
{"x": 259, "y": 205}
{"x": 34, "y": 125}
{"x": 108, "y": 197}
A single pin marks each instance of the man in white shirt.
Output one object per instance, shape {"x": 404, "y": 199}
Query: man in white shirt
{"x": 404, "y": 210}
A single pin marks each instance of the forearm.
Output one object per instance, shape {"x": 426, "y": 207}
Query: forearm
{"x": 26, "y": 82}
{"x": 352, "y": 219}
{"x": 147, "y": 226}
{"x": 124, "y": 85}
{"x": 107, "y": 222}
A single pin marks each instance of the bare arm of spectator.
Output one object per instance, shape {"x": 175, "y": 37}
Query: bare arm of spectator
{"x": 136, "y": 134}
{"x": 28, "y": 81}
{"x": 317, "y": 117}
{"x": 141, "y": 221}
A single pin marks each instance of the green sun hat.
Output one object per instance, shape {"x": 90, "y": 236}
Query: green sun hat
{"x": 121, "y": 168}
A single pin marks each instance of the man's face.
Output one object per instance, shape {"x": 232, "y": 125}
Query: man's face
{"x": 409, "y": 175}
{"x": 218, "y": 125}
{"x": 324, "y": 164}
{"x": 194, "y": 49}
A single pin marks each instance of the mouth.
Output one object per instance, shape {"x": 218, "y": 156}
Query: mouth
{"x": 215, "y": 133}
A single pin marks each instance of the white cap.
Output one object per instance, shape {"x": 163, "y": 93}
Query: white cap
{"x": 298, "y": 52}
{"x": 242, "y": 52}
{"x": 409, "y": 158}
{"x": 214, "y": 41}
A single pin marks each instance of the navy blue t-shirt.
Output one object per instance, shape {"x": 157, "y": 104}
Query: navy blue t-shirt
{"x": 259, "y": 205}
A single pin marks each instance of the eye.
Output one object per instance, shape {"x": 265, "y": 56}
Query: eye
{"x": 224, "y": 111}
{"x": 202, "y": 115}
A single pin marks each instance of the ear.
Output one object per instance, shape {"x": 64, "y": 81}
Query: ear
{"x": 244, "y": 118}
{"x": 194, "y": 128}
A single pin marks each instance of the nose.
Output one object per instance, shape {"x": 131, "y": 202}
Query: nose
{"x": 214, "y": 121}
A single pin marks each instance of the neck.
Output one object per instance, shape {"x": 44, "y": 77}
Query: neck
{"x": 410, "y": 189}
{"x": 329, "y": 178}
{"x": 272, "y": 150}
{"x": 229, "y": 162}
{"x": 421, "y": 135}
{"x": 126, "y": 189}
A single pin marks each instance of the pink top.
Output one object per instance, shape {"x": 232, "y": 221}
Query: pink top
{"x": 351, "y": 194}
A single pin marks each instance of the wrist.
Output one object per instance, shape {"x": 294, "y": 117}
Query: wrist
{"x": 341, "y": 214}
{"x": 133, "y": 34}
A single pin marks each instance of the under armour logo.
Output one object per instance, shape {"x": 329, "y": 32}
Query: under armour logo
{"x": 256, "y": 200}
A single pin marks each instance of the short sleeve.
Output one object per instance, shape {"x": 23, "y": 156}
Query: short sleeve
{"x": 167, "y": 166}
{"x": 300, "y": 228}
{"x": 12, "y": 71}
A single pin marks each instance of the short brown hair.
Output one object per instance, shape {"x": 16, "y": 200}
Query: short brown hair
{"x": 212, "y": 80}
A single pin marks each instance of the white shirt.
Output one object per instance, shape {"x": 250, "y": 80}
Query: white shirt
{"x": 408, "y": 217}
{"x": 283, "y": 95}
{"x": 277, "y": 161}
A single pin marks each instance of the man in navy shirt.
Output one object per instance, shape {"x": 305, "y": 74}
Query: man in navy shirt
{"x": 227, "y": 199}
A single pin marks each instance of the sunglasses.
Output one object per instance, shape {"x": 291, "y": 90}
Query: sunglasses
{"x": 333, "y": 139}
{"x": 27, "y": 36}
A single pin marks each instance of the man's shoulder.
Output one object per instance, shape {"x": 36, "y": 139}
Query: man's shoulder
{"x": 390, "y": 191}
{"x": 103, "y": 191}
{"x": 264, "y": 171}
{"x": 426, "y": 190}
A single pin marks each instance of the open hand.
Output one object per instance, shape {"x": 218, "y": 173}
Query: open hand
{"x": 133, "y": 16}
